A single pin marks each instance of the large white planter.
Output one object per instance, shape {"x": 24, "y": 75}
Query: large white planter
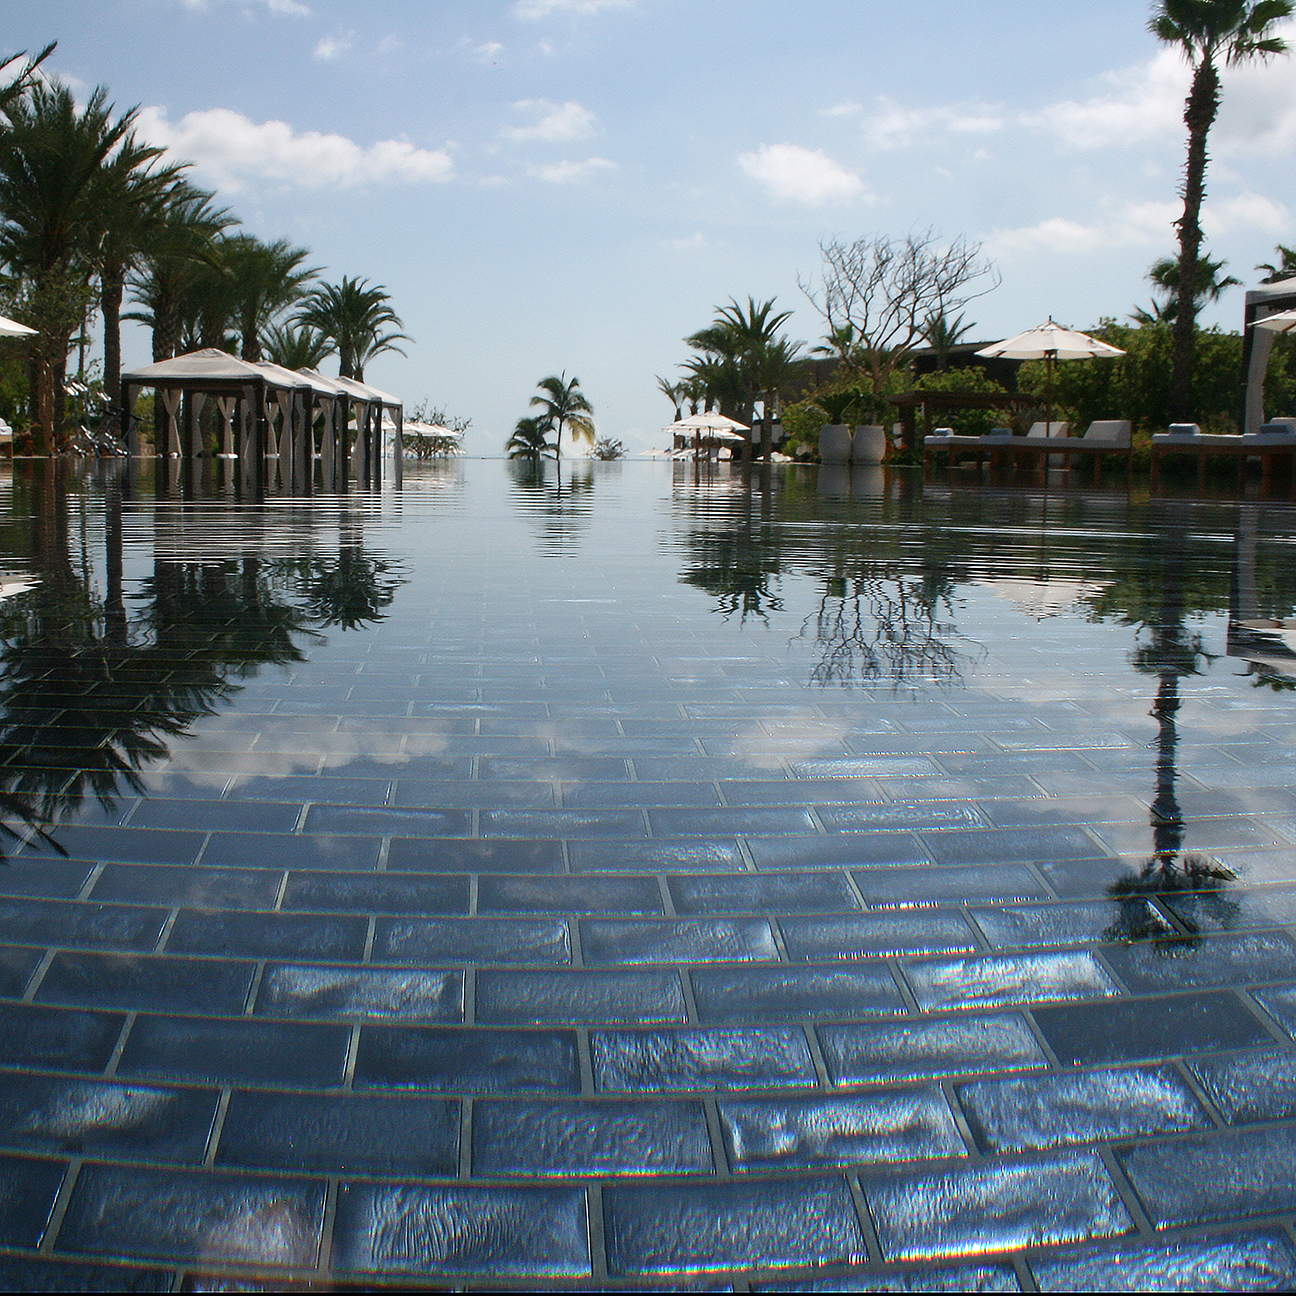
{"x": 834, "y": 443}
{"x": 870, "y": 444}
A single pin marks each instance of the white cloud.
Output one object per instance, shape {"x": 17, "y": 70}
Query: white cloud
{"x": 1245, "y": 211}
{"x": 795, "y": 174}
{"x": 1146, "y": 225}
{"x": 532, "y": 9}
{"x": 895, "y": 126}
{"x": 487, "y": 52}
{"x": 331, "y": 48}
{"x": 232, "y": 151}
{"x": 555, "y": 123}
{"x": 572, "y": 172}
{"x": 1145, "y": 102}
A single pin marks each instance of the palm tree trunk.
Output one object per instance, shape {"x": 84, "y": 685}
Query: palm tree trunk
{"x": 1199, "y": 115}
{"x": 110, "y": 300}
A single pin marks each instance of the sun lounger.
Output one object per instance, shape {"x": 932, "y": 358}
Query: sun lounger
{"x": 1274, "y": 441}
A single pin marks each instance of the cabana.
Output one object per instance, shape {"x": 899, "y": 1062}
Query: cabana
{"x": 371, "y": 402}
{"x": 268, "y": 418}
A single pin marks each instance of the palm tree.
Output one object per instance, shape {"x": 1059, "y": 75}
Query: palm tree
{"x": 943, "y": 334}
{"x": 1164, "y": 275}
{"x": 268, "y": 279}
{"x": 530, "y": 438}
{"x": 353, "y": 315}
{"x": 743, "y": 358}
{"x": 562, "y": 403}
{"x": 21, "y": 80}
{"x": 297, "y": 348}
{"x": 182, "y": 254}
{"x": 1285, "y": 269}
{"x": 674, "y": 392}
{"x": 1206, "y": 31}
{"x": 53, "y": 160}
{"x": 136, "y": 207}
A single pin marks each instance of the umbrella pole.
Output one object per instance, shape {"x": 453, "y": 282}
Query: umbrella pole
{"x": 1048, "y": 406}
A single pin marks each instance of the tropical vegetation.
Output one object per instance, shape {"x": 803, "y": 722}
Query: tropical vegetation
{"x": 92, "y": 219}
{"x": 562, "y": 404}
{"x": 1207, "y": 33}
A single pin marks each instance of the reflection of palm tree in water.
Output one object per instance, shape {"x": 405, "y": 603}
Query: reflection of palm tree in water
{"x": 89, "y": 698}
{"x": 1173, "y": 653}
{"x": 561, "y": 510}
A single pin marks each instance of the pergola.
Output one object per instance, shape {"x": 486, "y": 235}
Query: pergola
{"x": 269, "y": 419}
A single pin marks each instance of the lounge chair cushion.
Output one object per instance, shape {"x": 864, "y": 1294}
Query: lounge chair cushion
{"x": 1049, "y": 429}
{"x": 1115, "y": 432}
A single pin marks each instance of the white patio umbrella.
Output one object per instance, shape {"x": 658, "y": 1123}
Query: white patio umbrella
{"x": 707, "y": 423}
{"x": 11, "y": 328}
{"x": 1050, "y": 342}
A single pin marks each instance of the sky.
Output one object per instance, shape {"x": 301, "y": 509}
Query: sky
{"x": 574, "y": 186}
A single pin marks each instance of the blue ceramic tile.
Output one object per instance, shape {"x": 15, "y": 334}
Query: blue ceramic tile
{"x": 147, "y": 981}
{"x": 580, "y": 997}
{"x": 1238, "y": 959}
{"x": 292, "y": 990}
{"x": 794, "y": 993}
{"x": 100, "y": 1119}
{"x": 1026, "y": 1112}
{"x": 1252, "y": 1261}
{"x": 684, "y": 940}
{"x": 547, "y": 1139}
{"x": 1000, "y": 980}
{"x": 791, "y": 1133}
{"x": 487, "y": 1232}
{"x": 1123, "y": 1029}
{"x": 1259, "y": 1084}
{"x": 1224, "y": 1175}
{"x": 735, "y": 1058}
{"x": 341, "y": 1134}
{"x": 466, "y": 1060}
{"x": 184, "y": 1217}
{"x": 668, "y": 1230}
{"x": 471, "y": 940}
{"x": 876, "y": 935}
{"x": 885, "y": 1052}
{"x": 774, "y": 893}
{"x": 996, "y": 1207}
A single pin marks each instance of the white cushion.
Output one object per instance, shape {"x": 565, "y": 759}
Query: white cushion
{"x": 1049, "y": 430}
{"x": 1116, "y": 431}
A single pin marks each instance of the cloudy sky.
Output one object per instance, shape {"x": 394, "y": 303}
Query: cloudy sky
{"x": 575, "y": 184}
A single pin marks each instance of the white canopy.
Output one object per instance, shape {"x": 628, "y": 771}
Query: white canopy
{"x": 11, "y": 328}
{"x": 1282, "y": 322}
{"x": 198, "y": 366}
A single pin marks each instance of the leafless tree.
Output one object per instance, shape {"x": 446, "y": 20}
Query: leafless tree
{"x": 877, "y": 294}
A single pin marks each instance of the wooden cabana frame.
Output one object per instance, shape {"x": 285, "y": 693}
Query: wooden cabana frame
{"x": 269, "y": 419}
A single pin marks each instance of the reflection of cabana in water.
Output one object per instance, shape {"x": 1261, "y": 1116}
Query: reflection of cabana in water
{"x": 270, "y": 418}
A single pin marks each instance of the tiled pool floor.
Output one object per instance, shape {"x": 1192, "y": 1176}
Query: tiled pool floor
{"x": 550, "y": 925}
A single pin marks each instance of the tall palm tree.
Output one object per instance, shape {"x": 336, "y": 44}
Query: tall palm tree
{"x": 562, "y": 403}
{"x": 943, "y": 334}
{"x": 53, "y": 161}
{"x": 183, "y": 253}
{"x": 268, "y": 278}
{"x": 1206, "y": 31}
{"x": 353, "y": 315}
{"x": 136, "y": 207}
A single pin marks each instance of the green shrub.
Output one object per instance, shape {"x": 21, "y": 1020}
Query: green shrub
{"x": 965, "y": 422}
{"x": 801, "y": 424}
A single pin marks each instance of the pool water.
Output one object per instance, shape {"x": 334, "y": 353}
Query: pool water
{"x": 625, "y": 874}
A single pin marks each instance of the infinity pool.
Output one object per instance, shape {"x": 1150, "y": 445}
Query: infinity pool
{"x": 626, "y": 876}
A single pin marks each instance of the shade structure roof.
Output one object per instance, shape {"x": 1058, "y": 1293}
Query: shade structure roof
{"x": 11, "y": 328}
{"x": 280, "y": 376}
{"x": 362, "y": 391}
{"x": 1281, "y": 322}
{"x": 1051, "y": 341}
{"x": 207, "y": 366}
